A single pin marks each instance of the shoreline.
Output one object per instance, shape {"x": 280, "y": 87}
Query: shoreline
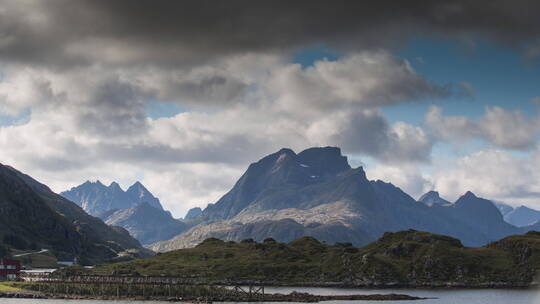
{"x": 292, "y": 297}
{"x": 382, "y": 286}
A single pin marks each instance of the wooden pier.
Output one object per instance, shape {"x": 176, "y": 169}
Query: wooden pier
{"x": 190, "y": 287}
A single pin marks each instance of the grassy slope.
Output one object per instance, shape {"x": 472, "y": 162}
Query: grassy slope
{"x": 6, "y": 286}
{"x": 407, "y": 256}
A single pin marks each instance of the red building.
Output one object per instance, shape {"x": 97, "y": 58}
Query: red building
{"x": 9, "y": 269}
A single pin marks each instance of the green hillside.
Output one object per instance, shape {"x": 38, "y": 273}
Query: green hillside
{"x": 404, "y": 258}
{"x": 32, "y": 217}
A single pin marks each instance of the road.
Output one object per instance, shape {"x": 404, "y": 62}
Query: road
{"x": 29, "y": 253}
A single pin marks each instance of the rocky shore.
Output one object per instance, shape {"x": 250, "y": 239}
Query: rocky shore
{"x": 292, "y": 297}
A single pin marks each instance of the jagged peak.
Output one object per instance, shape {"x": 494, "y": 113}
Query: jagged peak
{"x": 137, "y": 186}
{"x": 432, "y": 193}
{"x": 115, "y": 185}
{"x": 287, "y": 151}
{"x": 432, "y": 198}
{"x": 466, "y": 198}
{"x": 88, "y": 183}
{"x": 470, "y": 194}
{"x": 325, "y": 159}
{"x": 523, "y": 207}
{"x": 193, "y": 212}
{"x": 470, "y": 199}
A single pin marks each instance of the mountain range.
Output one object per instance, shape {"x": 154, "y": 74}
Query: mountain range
{"x": 284, "y": 196}
{"x": 96, "y": 198}
{"x": 147, "y": 223}
{"x": 316, "y": 193}
{"x": 136, "y": 210}
{"x": 521, "y": 216}
{"x": 34, "y": 217}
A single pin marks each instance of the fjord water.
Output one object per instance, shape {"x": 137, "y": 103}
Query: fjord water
{"x": 439, "y": 296}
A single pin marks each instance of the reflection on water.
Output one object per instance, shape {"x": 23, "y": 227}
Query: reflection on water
{"x": 441, "y": 296}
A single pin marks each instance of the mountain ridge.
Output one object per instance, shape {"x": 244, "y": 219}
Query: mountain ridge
{"x": 36, "y": 215}
{"x": 310, "y": 197}
{"x": 96, "y": 198}
{"x": 146, "y": 223}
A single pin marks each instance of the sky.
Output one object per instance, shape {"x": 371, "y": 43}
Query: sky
{"x": 184, "y": 95}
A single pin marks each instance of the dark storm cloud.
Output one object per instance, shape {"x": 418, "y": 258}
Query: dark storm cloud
{"x": 65, "y": 32}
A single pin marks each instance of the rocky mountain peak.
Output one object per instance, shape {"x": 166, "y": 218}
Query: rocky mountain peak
{"x": 115, "y": 186}
{"x": 431, "y": 198}
{"x": 483, "y": 210}
{"x": 522, "y": 216}
{"x": 192, "y": 213}
{"x": 96, "y": 198}
{"x": 139, "y": 193}
{"x": 138, "y": 189}
{"x": 147, "y": 223}
{"x": 324, "y": 161}
{"x": 469, "y": 194}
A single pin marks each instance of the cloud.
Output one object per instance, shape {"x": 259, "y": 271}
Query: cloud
{"x": 86, "y": 70}
{"x": 407, "y": 177}
{"x": 499, "y": 127}
{"x": 368, "y": 79}
{"x": 493, "y": 174}
{"x": 91, "y": 122}
{"x": 490, "y": 173}
{"x": 368, "y": 132}
{"x": 67, "y": 33}
{"x": 21, "y": 90}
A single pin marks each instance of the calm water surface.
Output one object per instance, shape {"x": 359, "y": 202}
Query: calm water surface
{"x": 443, "y": 296}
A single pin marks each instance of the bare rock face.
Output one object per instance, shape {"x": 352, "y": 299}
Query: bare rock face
{"x": 193, "y": 213}
{"x": 432, "y": 198}
{"x": 522, "y": 216}
{"x": 316, "y": 193}
{"x": 96, "y": 198}
{"x": 146, "y": 223}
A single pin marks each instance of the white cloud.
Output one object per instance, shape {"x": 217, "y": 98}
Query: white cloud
{"x": 493, "y": 174}
{"x": 407, "y": 177}
{"x": 368, "y": 132}
{"x": 90, "y": 123}
{"x": 365, "y": 80}
{"x": 499, "y": 127}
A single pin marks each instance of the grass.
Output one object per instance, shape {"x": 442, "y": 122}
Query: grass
{"x": 407, "y": 256}
{"x": 6, "y": 287}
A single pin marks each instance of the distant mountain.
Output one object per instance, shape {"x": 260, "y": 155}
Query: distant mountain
{"x": 503, "y": 208}
{"x": 316, "y": 193}
{"x": 146, "y": 223}
{"x": 193, "y": 213}
{"x": 479, "y": 215}
{"x": 522, "y": 216}
{"x": 96, "y": 198}
{"x": 32, "y": 216}
{"x": 136, "y": 210}
{"x": 139, "y": 194}
{"x": 432, "y": 198}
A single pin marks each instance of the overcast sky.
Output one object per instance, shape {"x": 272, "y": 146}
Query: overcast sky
{"x": 183, "y": 95}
